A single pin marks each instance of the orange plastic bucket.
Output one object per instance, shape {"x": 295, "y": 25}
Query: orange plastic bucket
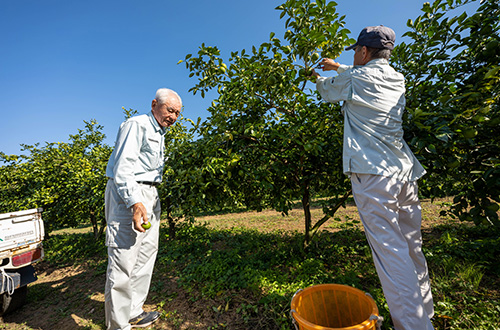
{"x": 334, "y": 307}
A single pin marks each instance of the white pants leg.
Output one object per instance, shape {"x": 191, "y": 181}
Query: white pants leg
{"x": 410, "y": 221}
{"x": 131, "y": 257}
{"x": 391, "y": 215}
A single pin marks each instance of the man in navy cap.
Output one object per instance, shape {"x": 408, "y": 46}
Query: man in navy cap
{"x": 383, "y": 172}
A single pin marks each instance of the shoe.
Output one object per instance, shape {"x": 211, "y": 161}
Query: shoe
{"x": 145, "y": 319}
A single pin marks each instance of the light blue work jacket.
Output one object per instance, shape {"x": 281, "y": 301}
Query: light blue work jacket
{"x": 139, "y": 155}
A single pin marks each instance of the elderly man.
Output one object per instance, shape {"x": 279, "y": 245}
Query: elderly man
{"x": 383, "y": 172}
{"x": 134, "y": 170}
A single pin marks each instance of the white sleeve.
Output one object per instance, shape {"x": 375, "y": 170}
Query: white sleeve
{"x": 128, "y": 146}
{"x": 343, "y": 68}
{"x": 336, "y": 89}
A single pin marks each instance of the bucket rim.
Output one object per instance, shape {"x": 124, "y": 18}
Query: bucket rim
{"x": 369, "y": 322}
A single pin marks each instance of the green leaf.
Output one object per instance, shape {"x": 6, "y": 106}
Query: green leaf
{"x": 492, "y": 72}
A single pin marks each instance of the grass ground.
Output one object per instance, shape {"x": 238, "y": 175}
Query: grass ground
{"x": 239, "y": 271}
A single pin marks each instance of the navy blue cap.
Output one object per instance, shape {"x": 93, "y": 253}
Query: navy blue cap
{"x": 380, "y": 37}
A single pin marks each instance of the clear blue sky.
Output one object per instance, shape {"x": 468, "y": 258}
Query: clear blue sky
{"x": 63, "y": 61}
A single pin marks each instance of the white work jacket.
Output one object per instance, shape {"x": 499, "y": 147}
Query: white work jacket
{"x": 374, "y": 101}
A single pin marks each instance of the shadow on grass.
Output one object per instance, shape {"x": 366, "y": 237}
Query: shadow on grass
{"x": 265, "y": 269}
{"x": 244, "y": 279}
{"x": 69, "y": 291}
{"x": 63, "y": 298}
{"x": 257, "y": 273}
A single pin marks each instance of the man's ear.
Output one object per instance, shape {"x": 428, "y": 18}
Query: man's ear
{"x": 153, "y": 104}
{"x": 366, "y": 55}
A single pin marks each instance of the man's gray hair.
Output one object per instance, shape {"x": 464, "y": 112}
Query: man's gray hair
{"x": 379, "y": 53}
{"x": 164, "y": 95}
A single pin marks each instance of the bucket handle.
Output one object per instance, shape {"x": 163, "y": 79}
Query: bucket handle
{"x": 297, "y": 292}
{"x": 378, "y": 318}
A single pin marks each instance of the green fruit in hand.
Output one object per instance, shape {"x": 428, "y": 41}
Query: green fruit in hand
{"x": 146, "y": 225}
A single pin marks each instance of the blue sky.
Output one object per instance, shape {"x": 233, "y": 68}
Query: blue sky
{"x": 64, "y": 62}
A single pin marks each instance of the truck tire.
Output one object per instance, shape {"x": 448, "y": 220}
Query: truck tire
{"x": 10, "y": 303}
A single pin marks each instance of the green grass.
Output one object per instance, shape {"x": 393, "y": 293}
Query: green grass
{"x": 266, "y": 267}
{"x": 247, "y": 275}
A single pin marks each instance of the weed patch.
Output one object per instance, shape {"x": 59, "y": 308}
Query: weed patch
{"x": 240, "y": 271}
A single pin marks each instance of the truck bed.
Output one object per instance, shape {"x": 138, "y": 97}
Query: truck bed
{"x": 21, "y": 235}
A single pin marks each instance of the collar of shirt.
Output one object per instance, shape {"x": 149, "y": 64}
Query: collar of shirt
{"x": 154, "y": 122}
{"x": 377, "y": 62}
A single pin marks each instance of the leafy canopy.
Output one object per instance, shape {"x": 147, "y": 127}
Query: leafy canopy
{"x": 268, "y": 140}
{"x": 453, "y": 81}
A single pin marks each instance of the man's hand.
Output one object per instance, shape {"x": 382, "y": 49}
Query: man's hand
{"x": 328, "y": 64}
{"x": 140, "y": 214}
{"x": 314, "y": 74}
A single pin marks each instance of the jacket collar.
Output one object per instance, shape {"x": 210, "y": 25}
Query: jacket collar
{"x": 154, "y": 122}
{"x": 378, "y": 61}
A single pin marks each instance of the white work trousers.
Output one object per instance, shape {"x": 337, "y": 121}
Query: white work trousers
{"x": 391, "y": 215}
{"x": 131, "y": 257}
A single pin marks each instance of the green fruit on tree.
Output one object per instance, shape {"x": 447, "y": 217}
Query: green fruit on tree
{"x": 453, "y": 164}
{"x": 491, "y": 48}
{"x": 493, "y": 207}
{"x": 146, "y": 225}
{"x": 469, "y": 133}
{"x": 271, "y": 80}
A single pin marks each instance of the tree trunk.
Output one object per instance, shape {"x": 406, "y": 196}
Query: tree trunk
{"x": 95, "y": 227}
{"x": 103, "y": 226}
{"x": 306, "y": 205}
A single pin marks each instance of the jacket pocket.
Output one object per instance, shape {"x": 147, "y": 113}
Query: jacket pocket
{"x": 120, "y": 235}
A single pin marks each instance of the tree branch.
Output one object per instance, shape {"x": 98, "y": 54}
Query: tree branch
{"x": 271, "y": 105}
{"x": 320, "y": 222}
